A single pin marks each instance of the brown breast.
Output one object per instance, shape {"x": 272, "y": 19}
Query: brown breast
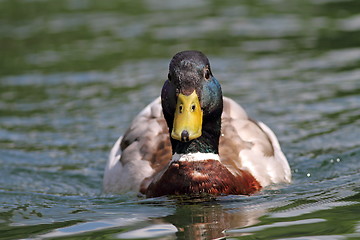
{"x": 197, "y": 177}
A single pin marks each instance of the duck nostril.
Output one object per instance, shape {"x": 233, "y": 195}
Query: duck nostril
{"x": 185, "y": 136}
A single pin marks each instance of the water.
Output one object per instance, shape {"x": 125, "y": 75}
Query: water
{"x": 74, "y": 73}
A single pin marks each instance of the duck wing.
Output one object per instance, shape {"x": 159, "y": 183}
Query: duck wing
{"x": 143, "y": 150}
{"x": 250, "y": 145}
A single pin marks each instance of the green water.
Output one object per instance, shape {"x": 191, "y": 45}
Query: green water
{"x": 74, "y": 73}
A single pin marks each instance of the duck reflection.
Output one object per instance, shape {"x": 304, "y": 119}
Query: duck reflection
{"x": 209, "y": 219}
{"x": 201, "y": 218}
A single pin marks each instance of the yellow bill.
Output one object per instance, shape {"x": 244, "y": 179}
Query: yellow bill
{"x": 188, "y": 118}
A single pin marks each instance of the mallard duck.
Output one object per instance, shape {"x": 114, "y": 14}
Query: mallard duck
{"x": 192, "y": 140}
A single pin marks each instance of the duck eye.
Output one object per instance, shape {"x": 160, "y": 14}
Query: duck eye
{"x": 193, "y": 107}
{"x": 207, "y": 74}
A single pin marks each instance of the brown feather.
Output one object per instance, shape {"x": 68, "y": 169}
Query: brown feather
{"x": 198, "y": 177}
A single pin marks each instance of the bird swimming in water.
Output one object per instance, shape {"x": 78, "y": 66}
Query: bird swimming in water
{"x": 192, "y": 140}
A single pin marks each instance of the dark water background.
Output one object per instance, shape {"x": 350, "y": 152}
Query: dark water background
{"x": 74, "y": 73}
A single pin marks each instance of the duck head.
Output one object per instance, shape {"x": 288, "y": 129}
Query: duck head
{"x": 192, "y": 104}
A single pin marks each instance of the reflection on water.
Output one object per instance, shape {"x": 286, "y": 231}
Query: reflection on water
{"x": 209, "y": 220}
{"x": 74, "y": 73}
{"x": 191, "y": 219}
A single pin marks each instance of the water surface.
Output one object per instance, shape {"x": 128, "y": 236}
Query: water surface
{"x": 73, "y": 74}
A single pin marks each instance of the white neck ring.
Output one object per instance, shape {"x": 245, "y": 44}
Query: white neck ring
{"x": 191, "y": 157}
